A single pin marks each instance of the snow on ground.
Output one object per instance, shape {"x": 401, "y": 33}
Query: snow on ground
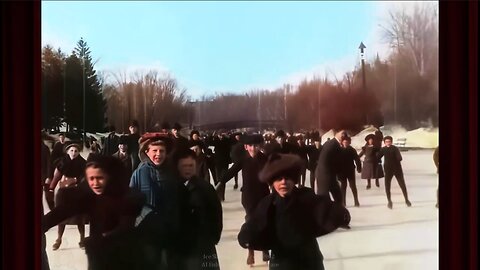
{"x": 399, "y": 239}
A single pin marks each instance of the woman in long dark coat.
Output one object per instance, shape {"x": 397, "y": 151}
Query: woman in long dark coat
{"x": 370, "y": 168}
{"x": 68, "y": 173}
{"x": 289, "y": 220}
{"x": 112, "y": 208}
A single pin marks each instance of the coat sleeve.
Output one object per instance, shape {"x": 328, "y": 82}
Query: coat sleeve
{"x": 358, "y": 164}
{"x": 236, "y": 167}
{"x": 397, "y": 154}
{"x": 254, "y": 233}
{"x": 329, "y": 215}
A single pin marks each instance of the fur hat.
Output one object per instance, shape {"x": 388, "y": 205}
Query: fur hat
{"x": 281, "y": 165}
{"x": 194, "y": 132}
{"x": 252, "y": 139}
{"x": 369, "y": 136}
{"x": 149, "y": 138}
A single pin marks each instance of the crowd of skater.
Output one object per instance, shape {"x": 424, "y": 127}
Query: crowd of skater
{"x": 154, "y": 201}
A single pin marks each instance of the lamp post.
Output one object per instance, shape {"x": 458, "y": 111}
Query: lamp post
{"x": 84, "y": 101}
{"x": 364, "y": 82}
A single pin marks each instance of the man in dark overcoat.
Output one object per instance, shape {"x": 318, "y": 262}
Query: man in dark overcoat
{"x": 280, "y": 145}
{"x": 313, "y": 152}
{"x": 328, "y": 167}
{"x": 178, "y": 141}
{"x": 133, "y": 146}
{"x": 237, "y": 153}
{"x": 253, "y": 191}
{"x": 222, "y": 145}
{"x": 110, "y": 144}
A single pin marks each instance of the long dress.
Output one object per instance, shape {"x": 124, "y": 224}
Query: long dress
{"x": 370, "y": 168}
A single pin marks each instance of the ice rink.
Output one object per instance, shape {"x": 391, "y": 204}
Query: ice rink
{"x": 401, "y": 238}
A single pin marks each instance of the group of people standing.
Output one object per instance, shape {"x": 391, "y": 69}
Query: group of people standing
{"x": 151, "y": 205}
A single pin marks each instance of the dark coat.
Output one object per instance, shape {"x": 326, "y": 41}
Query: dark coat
{"x": 313, "y": 154}
{"x": 179, "y": 143}
{"x": 253, "y": 191}
{"x": 46, "y": 167}
{"x": 349, "y": 160}
{"x": 328, "y": 166}
{"x": 110, "y": 144}
{"x": 133, "y": 148}
{"x": 371, "y": 168}
{"x": 392, "y": 159}
{"x": 205, "y": 226}
{"x": 110, "y": 244}
{"x": 57, "y": 153}
{"x": 238, "y": 152}
{"x": 275, "y": 147}
{"x": 301, "y": 151}
{"x": 127, "y": 162}
{"x": 289, "y": 227}
{"x": 202, "y": 167}
{"x": 222, "y": 151}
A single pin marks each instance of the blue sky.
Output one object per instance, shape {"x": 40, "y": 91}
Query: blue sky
{"x": 215, "y": 47}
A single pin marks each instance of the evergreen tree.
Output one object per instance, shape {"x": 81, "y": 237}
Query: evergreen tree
{"x": 81, "y": 76}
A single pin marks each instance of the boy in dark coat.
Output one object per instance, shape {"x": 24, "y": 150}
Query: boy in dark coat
{"x": 393, "y": 167}
{"x": 222, "y": 146}
{"x": 205, "y": 221}
{"x": 253, "y": 191}
{"x": 348, "y": 160}
{"x": 289, "y": 220}
{"x": 123, "y": 155}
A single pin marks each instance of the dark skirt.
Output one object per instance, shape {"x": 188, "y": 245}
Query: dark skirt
{"x": 371, "y": 170}
{"x": 61, "y": 198}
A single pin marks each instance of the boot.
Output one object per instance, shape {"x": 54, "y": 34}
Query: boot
{"x": 408, "y": 203}
{"x": 357, "y": 204}
{"x": 390, "y": 205}
{"x": 251, "y": 257}
{"x": 377, "y": 183}
{"x": 266, "y": 256}
{"x": 57, "y": 244}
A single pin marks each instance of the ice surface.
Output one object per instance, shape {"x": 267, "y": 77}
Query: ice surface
{"x": 399, "y": 239}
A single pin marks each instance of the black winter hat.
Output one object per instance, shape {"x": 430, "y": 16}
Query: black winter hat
{"x": 123, "y": 140}
{"x": 280, "y": 133}
{"x": 252, "y": 139}
{"x": 369, "y": 136}
{"x": 177, "y": 126}
{"x": 279, "y": 165}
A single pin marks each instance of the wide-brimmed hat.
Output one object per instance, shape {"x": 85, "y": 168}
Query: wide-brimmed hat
{"x": 278, "y": 165}
{"x": 252, "y": 139}
{"x": 369, "y": 136}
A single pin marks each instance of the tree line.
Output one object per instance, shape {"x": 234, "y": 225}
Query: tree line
{"x": 401, "y": 89}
